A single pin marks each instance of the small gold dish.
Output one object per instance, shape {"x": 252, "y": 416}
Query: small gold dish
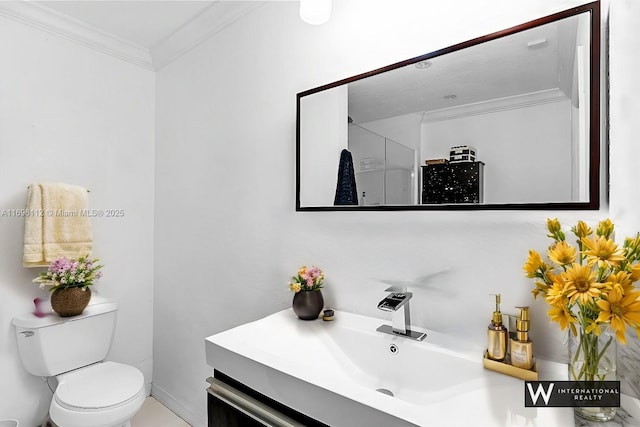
{"x": 507, "y": 369}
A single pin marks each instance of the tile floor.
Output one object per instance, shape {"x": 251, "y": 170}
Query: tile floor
{"x": 154, "y": 414}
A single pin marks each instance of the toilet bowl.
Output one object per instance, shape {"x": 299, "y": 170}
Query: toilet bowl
{"x": 91, "y": 392}
{"x": 105, "y": 394}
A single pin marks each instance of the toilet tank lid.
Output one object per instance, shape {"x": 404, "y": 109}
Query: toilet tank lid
{"x": 97, "y": 305}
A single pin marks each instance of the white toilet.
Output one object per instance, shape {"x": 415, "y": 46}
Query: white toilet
{"x": 91, "y": 392}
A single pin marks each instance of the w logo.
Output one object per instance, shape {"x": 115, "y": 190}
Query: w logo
{"x": 539, "y": 391}
{"x": 571, "y": 393}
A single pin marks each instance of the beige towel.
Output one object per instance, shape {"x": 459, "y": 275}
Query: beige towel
{"x": 57, "y": 225}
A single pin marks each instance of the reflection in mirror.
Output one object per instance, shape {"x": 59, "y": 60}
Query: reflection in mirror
{"x": 525, "y": 100}
{"x": 384, "y": 169}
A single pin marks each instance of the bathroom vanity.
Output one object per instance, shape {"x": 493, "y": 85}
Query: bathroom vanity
{"x": 345, "y": 373}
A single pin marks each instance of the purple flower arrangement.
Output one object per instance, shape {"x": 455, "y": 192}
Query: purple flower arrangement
{"x": 64, "y": 273}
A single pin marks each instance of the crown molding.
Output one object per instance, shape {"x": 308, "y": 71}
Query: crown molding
{"x": 45, "y": 19}
{"x": 496, "y": 105}
{"x": 212, "y": 20}
{"x": 209, "y": 22}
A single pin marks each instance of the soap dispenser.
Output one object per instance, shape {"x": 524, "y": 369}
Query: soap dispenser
{"x": 521, "y": 345}
{"x": 497, "y": 335}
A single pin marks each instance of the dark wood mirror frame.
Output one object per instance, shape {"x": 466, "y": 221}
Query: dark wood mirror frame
{"x": 593, "y": 202}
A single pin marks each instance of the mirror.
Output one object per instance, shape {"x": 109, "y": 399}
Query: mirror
{"x": 505, "y": 121}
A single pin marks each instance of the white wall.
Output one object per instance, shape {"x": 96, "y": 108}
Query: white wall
{"x": 624, "y": 128}
{"x": 317, "y": 181}
{"x": 513, "y": 146}
{"x": 624, "y": 132}
{"x": 227, "y": 236}
{"x": 70, "y": 114}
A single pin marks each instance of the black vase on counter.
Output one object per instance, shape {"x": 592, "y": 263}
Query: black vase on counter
{"x": 308, "y": 304}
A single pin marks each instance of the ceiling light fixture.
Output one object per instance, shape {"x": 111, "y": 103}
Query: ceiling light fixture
{"x": 421, "y": 65}
{"x": 315, "y": 12}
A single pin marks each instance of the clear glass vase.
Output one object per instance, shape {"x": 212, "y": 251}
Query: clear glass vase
{"x": 592, "y": 359}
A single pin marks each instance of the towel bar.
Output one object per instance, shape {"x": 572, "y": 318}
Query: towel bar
{"x": 29, "y": 187}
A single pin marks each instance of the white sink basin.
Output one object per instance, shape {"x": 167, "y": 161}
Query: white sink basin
{"x": 416, "y": 372}
{"x": 333, "y": 370}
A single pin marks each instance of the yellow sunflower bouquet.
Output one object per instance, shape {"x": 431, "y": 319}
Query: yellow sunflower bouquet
{"x": 589, "y": 284}
{"x": 589, "y": 288}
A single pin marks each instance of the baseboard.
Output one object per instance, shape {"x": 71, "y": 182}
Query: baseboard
{"x": 175, "y": 405}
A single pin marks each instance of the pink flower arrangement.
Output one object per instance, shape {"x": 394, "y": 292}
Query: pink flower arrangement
{"x": 308, "y": 279}
{"x": 66, "y": 273}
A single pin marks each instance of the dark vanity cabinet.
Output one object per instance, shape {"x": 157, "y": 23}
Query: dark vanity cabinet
{"x": 231, "y": 403}
{"x": 453, "y": 183}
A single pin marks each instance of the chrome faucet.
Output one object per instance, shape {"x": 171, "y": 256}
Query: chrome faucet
{"x": 398, "y": 304}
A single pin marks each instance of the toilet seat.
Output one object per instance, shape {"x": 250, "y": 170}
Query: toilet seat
{"x": 98, "y": 386}
{"x": 99, "y": 395}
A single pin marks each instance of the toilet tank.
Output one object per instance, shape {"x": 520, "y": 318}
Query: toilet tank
{"x": 51, "y": 345}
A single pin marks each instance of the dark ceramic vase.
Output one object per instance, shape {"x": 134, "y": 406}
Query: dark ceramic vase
{"x": 308, "y": 304}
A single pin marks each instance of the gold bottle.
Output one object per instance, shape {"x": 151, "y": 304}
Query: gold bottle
{"x": 497, "y": 335}
{"x": 521, "y": 345}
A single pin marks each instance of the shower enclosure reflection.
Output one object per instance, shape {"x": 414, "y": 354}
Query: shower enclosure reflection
{"x": 384, "y": 169}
